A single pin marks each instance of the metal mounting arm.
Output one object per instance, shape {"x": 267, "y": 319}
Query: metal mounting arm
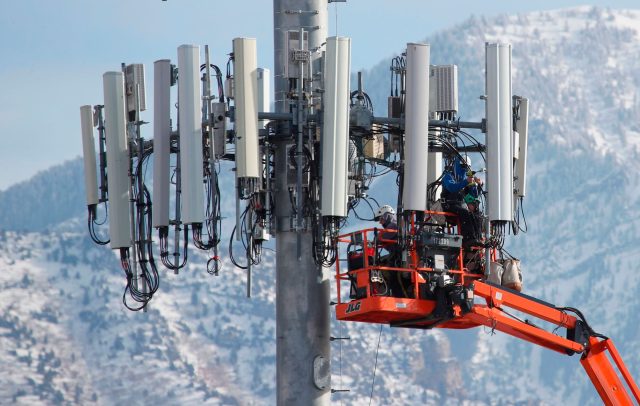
{"x": 604, "y": 374}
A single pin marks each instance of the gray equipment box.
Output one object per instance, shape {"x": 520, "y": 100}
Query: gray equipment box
{"x": 441, "y": 241}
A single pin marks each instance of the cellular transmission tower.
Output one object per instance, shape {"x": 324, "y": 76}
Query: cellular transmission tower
{"x": 301, "y": 169}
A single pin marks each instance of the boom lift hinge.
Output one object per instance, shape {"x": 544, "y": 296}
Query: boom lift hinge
{"x": 579, "y": 334}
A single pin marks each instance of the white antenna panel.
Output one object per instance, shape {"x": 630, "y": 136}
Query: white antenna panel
{"x": 161, "y": 141}
{"x": 117, "y": 160}
{"x": 499, "y": 132}
{"x": 245, "y": 76}
{"x": 522, "y": 128}
{"x": 190, "y": 128}
{"x": 264, "y": 104}
{"x": 134, "y": 78}
{"x": 416, "y": 143}
{"x": 443, "y": 88}
{"x": 335, "y": 129}
{"x": 264, "y": 94}
{"x": 89, "y": 153}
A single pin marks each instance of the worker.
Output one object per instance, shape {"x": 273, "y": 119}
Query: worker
{"x": 386, "y": 216}
{"x": 460, "y": 195}
{"x": 473, "y": 205}
{"x": 389, "y": 254}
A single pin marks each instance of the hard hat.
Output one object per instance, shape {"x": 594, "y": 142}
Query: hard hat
{"x": 384, "y": 210}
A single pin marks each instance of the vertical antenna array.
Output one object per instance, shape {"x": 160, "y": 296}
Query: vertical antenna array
{"x": 117, "y": 160}
{"x": 190, "y": 129}
{"x": 89, "y": 153}
{"x": 522, "y": 135}
{"x": 245, "y": 78}
{"x": 335, "y": 131}
{"x": 161, "y": 141}
{"x": 416, "y": 144}
{"x": 499, "y": 132}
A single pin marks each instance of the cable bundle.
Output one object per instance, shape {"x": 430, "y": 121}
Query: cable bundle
{"x": 92, "y": 222}
{"x": 141, "y": 287}
{"x": 252, "y": 217}
{"x": 213, "y": 220}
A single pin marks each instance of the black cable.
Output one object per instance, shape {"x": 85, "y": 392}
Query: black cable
{"x": 366, "y": 100}
{"x": 504, "y": 250}
{"x": 149, "y": 276}
{"x": 513, "y": 316}
{"x": 353, "y": 204}
{"x": 92, "y": 222}
{"x": 398, "y": 65}
{"x": 218, "y": 75}
{"x": 306, "y": 155}
{"x": 213, "y": 216}
{"x": 375, "y": 366}
{"x": 519, "y": 211}
{"x": 590, "y": 330}
{"x": 250, "y": 219}
{"x": 126, "y": 267}
{"x": 325, "y": 241}
{"x": 229, "y": 63}
{"x": 130, "y": 288}
{"x": 163, "y": 233}
{"x": 214, "y": 265}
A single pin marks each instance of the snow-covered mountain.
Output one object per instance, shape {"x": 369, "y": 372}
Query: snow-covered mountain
{"x": 67, "y": 339}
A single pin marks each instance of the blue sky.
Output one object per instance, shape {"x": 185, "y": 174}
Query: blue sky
{"x": 53, "y": 53}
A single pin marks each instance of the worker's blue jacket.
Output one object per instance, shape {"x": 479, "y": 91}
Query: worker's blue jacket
{"x": 455, "y": 181}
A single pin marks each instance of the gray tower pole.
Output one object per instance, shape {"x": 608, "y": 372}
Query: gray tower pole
{"x": 302, "y": 293}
